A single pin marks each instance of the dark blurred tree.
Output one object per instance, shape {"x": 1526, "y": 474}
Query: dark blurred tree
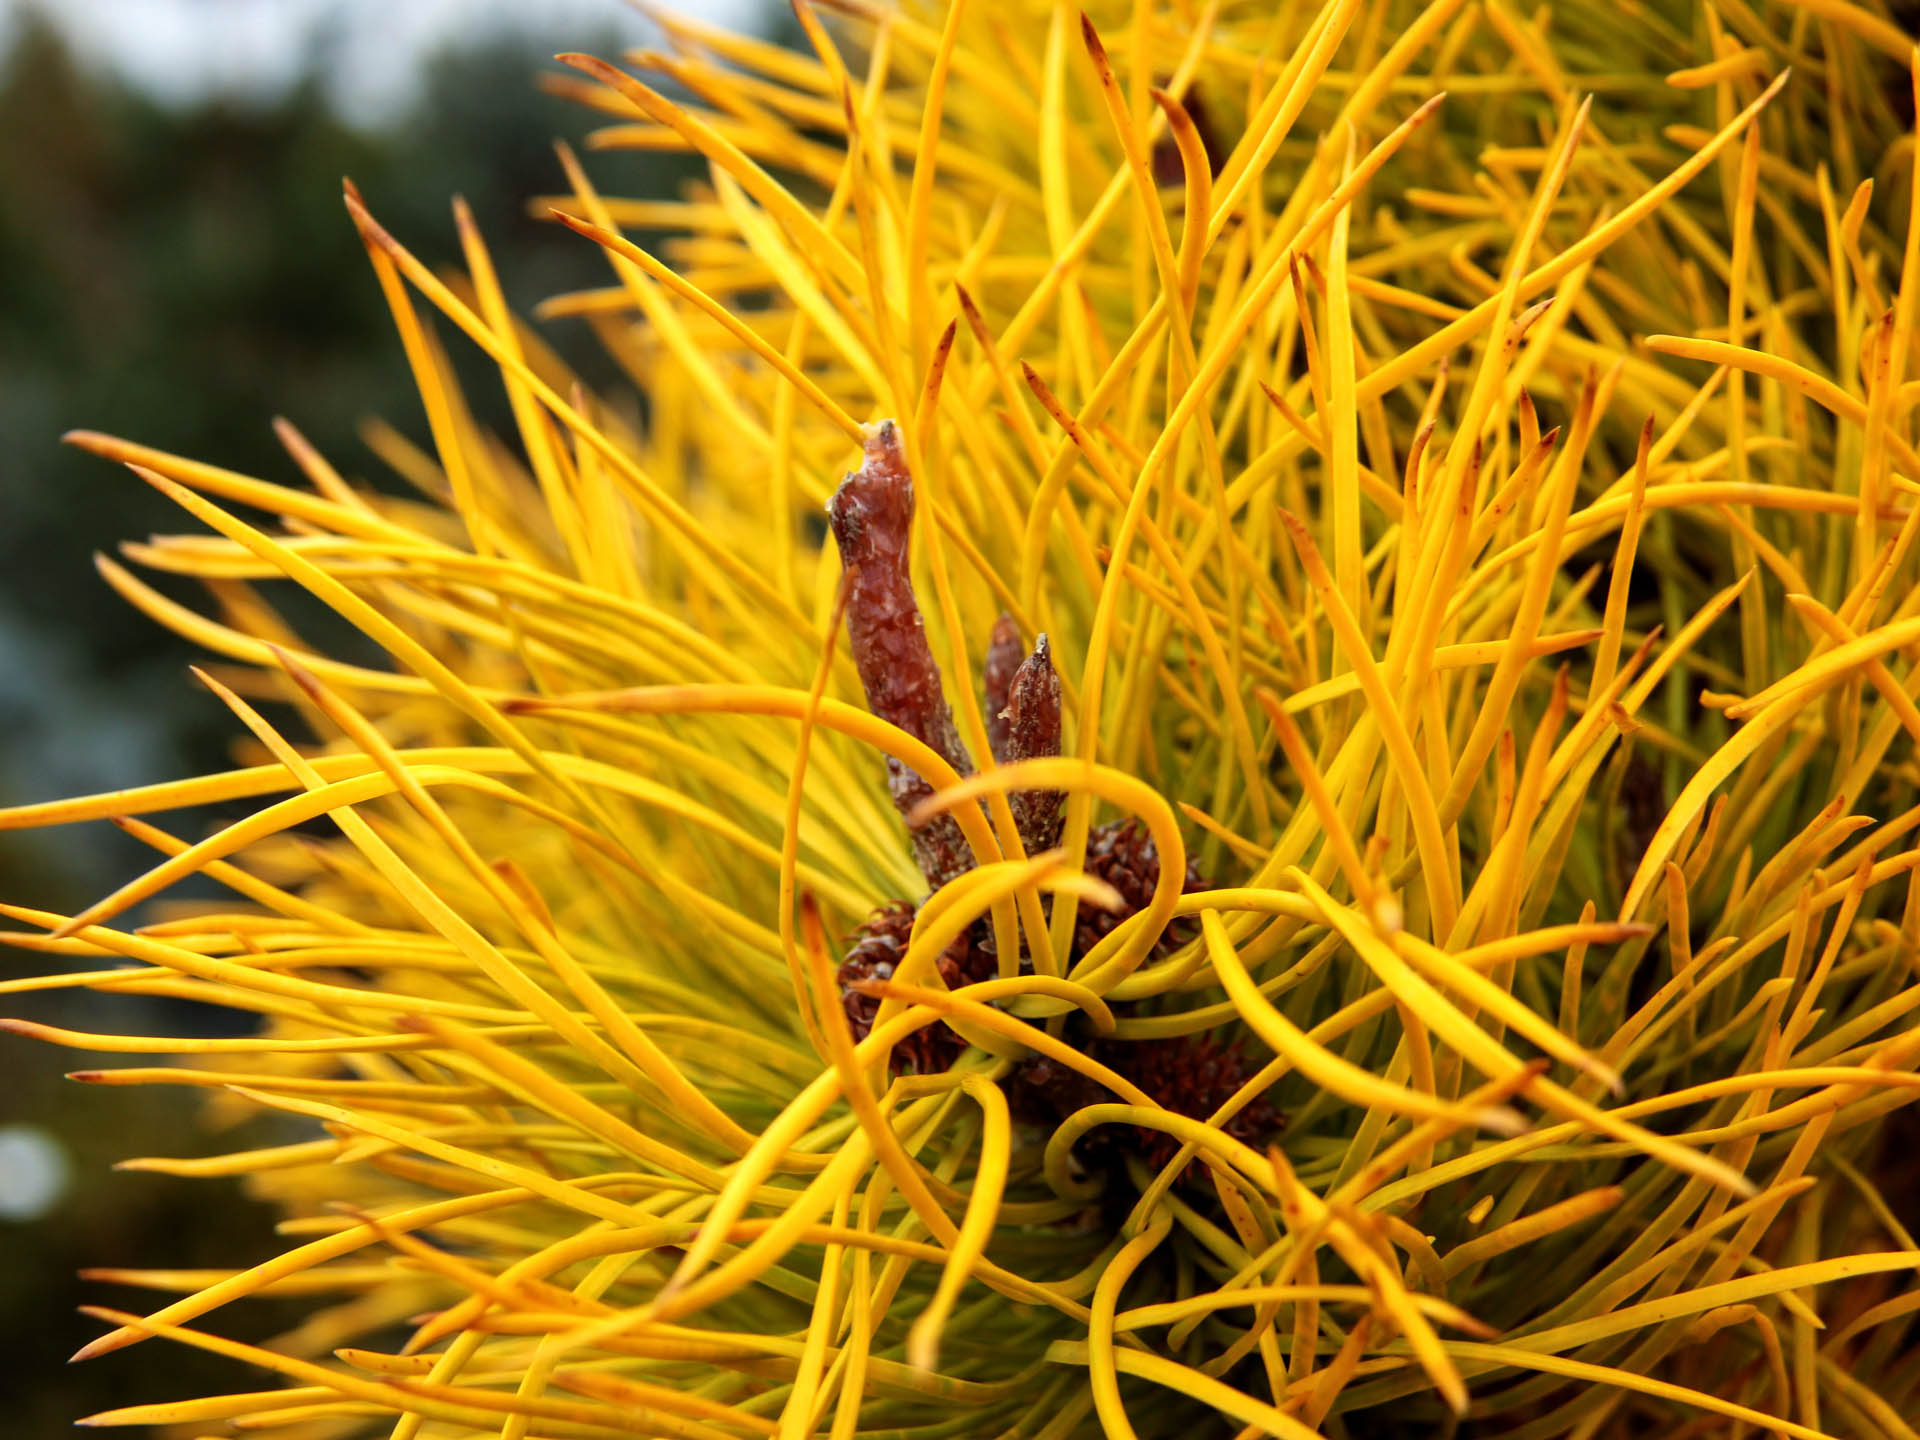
{"x": 179, "y": 278}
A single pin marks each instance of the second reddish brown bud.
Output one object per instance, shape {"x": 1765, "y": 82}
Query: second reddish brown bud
{"x": 1033, "y": 732}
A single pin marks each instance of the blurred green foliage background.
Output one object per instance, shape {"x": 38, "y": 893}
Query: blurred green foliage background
{"x": 179, "y": 277}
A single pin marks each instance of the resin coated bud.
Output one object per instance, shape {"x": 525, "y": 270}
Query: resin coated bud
{"x": 872, "y": 518}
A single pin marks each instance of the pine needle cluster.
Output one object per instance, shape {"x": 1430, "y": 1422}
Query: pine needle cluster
{"x": 1325, "y": 845}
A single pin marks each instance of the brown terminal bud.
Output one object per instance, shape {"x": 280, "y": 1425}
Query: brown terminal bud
{"x": 872, "y": 519}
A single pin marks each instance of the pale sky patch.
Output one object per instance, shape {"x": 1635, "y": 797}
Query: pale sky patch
{"x": 180, "y": 51}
